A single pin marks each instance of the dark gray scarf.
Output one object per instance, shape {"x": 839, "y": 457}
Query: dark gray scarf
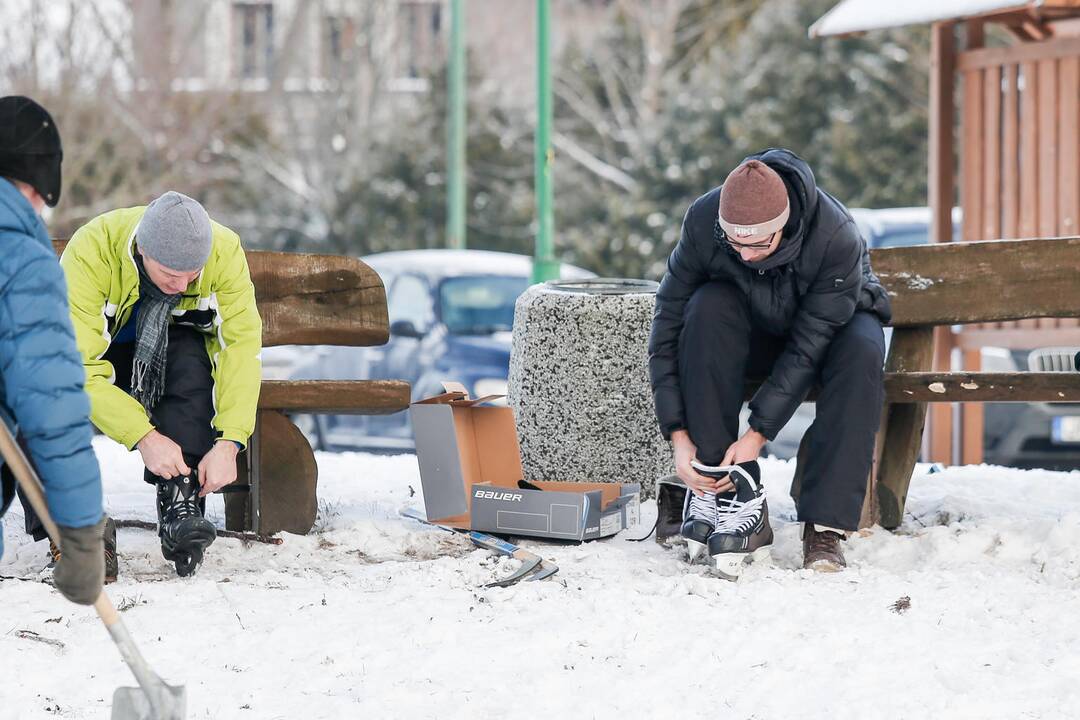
{"x": 151, "y": 340}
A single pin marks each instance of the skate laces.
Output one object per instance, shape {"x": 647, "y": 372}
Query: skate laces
{"x": 181, "y": 504}
{"x": 704, "y": 507}
{"x": 738, "y": 517}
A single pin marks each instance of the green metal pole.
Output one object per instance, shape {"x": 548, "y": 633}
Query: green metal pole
{"x": 455, "y": 182}
{"x": 545, "y": 266}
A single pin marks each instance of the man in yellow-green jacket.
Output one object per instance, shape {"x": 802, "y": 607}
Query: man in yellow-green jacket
{"x": 165, "y": 320}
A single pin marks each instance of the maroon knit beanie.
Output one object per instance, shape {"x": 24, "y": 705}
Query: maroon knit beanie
{"x": 753, "y": 201}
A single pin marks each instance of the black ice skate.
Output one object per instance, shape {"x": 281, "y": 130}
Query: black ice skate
{"x": 184, "y": 532}
{"x": 742, "y": 533}
{"x": 699, "y": 520}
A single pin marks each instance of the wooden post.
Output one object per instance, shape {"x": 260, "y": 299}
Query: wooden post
{"x": 987, "y": 227}
{"x": 972, "y": 422}
{"x": 1010, "y": 158}
{"x": 942, "y": 192}
{"x": 1068, "y": 155}
{"x": 1069, "y": 158}
{"x": 901, "y": 429}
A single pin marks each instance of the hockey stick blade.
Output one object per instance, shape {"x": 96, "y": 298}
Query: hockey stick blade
{"x": 530, "y": 562}
{"x": 546, "y": 570}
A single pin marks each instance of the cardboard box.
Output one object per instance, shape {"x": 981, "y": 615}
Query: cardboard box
{"x": 470, "y": 465}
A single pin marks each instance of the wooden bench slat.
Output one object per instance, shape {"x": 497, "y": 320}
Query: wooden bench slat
{"x": 983, "y": 387}
{"x": 335, "y": 397}
{"x": 318, "y": 300}
{"x": 308, "y": 299}
{"x": 972, "y": 282}
{"x": 909, "y": 387}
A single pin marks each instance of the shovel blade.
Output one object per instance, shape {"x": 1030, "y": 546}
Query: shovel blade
{"x": 168, "y": 703}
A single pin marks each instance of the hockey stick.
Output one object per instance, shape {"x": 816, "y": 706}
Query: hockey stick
{"x": 246, "y": 537}
{"x": 531, "y": 564}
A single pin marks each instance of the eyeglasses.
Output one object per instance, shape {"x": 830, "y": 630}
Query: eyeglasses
{"x": 763, "y": 245}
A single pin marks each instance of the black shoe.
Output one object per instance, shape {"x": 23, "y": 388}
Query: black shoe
{"x": 184, "y": 532}
{"x": 670, "y": 498}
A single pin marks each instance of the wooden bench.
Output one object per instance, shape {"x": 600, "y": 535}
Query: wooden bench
{"x": 305, "y": 300}
{"x": 956, "y": 284}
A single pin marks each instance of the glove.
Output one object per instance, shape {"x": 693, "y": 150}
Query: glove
{"x": 80, "y": 572}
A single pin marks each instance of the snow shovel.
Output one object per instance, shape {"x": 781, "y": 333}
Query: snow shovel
{"x": 153, "y": 699}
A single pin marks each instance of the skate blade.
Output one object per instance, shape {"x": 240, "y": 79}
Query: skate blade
{"x": 730, "y": 566}
{"x": 694, "y": 550}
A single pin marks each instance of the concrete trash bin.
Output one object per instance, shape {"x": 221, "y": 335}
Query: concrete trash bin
{"x": 579, "y": 383}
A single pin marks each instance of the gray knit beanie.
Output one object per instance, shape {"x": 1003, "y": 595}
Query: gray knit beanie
{"x": 175, "y": 231}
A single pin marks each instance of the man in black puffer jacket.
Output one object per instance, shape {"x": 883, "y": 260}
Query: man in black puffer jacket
{"x": 771, "y": 279}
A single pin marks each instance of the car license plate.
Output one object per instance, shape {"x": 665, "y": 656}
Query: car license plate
{"x": 1065, "y": 429}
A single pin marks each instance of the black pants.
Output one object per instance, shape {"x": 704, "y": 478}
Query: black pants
{"x": 185, "y": 411}
{"x": 720, "y": 347}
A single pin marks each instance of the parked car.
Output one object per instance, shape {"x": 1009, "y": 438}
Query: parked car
{"x": 451, "y": 315}
{"x": 898, "y": 227}
{"x": 1034, "y": 435}
{"x": 1027, "y": 435}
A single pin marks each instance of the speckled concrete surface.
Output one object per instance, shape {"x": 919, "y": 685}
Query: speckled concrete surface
{"x": 579, "y": 387}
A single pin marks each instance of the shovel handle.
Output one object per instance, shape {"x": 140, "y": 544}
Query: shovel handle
{"x": 152, "y": 685}
{"x": 31, "y": 486}
{"x": 106, "y": 611}
{"x": 27, "y": 480}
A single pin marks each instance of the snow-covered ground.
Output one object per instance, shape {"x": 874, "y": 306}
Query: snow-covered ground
{"x": 377, "y": 616}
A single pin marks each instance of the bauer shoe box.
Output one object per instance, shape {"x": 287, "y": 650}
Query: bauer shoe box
{"x": 470, "y": 465}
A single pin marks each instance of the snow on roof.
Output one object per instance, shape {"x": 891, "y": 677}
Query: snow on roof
{"x": 439, "y": 262}
{"x": 452, "y": 262}
{"x": 850, "y": 16}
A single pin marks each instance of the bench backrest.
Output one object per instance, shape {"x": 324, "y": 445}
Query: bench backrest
{"x": 307, "y": 299}
{"x": 972, "y": 282}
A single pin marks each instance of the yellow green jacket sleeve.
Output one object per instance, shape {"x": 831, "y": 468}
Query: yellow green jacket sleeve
{"x": 237, "y": 355}
{"x": 112, "y": 410}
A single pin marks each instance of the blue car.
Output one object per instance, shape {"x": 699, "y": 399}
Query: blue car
{"x": 451, "y": 318}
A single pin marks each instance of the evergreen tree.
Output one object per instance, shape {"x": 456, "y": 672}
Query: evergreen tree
{"x": 854, "y": 108}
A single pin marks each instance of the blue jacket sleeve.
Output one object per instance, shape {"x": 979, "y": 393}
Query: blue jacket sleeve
{"x": 43, "y": 378}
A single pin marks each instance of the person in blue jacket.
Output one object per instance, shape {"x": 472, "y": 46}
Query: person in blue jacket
{"x": 41, "y": 372}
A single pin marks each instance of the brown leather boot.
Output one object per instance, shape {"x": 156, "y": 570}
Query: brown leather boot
{"x": 821, "y": 550}
{"x": 111, "y": 565}
{"x": 112, "y": 568}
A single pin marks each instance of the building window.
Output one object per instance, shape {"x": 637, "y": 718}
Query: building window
{"x": 418, "y": 31}
{"x": 253, "y": 40}
{"x": 338, "y": 42}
